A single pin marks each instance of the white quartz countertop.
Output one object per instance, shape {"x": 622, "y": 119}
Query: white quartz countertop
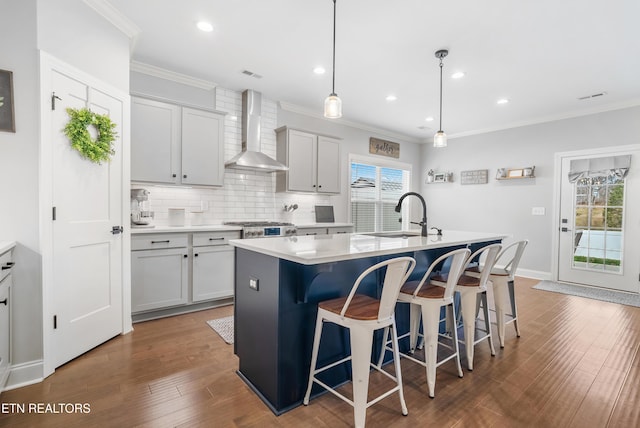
{"x": 313, "y": 225}
{"x": 309, "y": 250}
{"x": 184, "y": 229}
{"x": 6, "y": 246}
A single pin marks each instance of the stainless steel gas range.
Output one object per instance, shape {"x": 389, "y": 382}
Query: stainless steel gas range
{"x": 264, "y": 229}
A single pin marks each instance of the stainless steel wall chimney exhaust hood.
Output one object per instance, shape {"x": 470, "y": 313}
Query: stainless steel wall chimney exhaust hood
{"x": 251, "y": 157}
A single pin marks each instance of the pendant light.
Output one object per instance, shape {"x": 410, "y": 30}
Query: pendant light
{"x": 440, "y": 139}
{"x": 333, "y": 104}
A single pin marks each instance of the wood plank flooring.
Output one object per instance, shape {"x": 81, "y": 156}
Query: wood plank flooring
{"x": 576, "y": 365}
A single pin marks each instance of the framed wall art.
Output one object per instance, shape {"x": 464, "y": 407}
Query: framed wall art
{"x": 7, "y": 121}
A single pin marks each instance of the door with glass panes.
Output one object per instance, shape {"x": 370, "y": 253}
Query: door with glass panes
{"x": 600, "y": 220}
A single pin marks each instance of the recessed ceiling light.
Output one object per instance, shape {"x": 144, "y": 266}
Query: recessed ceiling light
{"x": 429, "y": 119}
{"x": 391, "y": 98}
{"x": 319, "y": 70}
{"x": 205, "y": 26}
{"x": 458, "y": 75}
{"x": 502, "y": 101}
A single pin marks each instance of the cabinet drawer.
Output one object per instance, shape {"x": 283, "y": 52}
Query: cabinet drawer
{"x": 159, "y": 240}
{"x": 6, "y": 262}
{"x": 202, "y": 239}
{"x": 312, "y": 231}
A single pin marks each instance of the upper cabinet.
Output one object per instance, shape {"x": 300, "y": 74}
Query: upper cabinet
{"x": 313, "y": 161}
{"x": 171, "y": 144}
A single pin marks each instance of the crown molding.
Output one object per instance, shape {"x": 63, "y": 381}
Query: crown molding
{"x": 570, "y": 115}
{"x": 163, "y": 73}
{"x": 294, "y": 108}
{"x": 114, "y": 16}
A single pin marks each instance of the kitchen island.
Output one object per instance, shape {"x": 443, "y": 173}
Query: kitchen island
{"x": 278, "y": 284}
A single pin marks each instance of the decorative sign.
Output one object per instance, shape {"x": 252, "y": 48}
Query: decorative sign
{"x": 384, "y": 148}
{"x": 478, "y": 176}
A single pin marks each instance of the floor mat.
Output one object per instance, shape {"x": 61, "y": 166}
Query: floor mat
{"x": 224, "y": 327}
{"x": 630, "y": 299}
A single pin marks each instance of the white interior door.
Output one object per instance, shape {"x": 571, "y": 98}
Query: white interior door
{"x": 600, "y": 226}
{"x": 86, "y": 294}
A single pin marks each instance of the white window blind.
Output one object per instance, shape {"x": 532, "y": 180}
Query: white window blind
{"x": 375, "y": 191}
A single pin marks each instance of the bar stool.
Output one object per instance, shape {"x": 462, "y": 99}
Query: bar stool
{"x": 503, "y": 280}
{"x": 427, "y": 299}
{"x": 473, "y": 294}
{"x": 363, "y": 315}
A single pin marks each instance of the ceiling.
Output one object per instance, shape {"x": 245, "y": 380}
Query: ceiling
{"x": 541, "y": 55}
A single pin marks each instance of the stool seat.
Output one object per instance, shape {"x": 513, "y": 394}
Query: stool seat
{"x": 362, "y": 307}
{"x": 430, "y": 291}
{"x": 463, "y": 281}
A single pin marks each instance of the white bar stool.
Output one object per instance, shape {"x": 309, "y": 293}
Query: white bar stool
{"x": 363, "y": 315}
{"x": 503, "y": 280}
{"x": 473, "y": 292}
{"x": 427, "y": 299}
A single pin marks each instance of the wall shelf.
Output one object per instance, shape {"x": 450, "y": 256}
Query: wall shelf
{"x": 515, "y": 173}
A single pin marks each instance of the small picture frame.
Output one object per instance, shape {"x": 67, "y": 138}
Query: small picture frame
{"x": 439, "y": 177}
{"x": 7, "y": 121}
{"x": 515, "y": 173}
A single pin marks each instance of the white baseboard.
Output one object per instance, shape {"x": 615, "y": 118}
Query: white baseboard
{"x": 535, "y": 274}
{"x": 25, "y": 374}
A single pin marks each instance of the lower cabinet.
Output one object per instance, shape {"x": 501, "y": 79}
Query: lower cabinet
{"x": 213, "y": 272}
{"x": 170, "y": 271}
{"x": 159, "y": 278}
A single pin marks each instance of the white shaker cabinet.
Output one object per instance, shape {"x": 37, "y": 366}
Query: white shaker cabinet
{"x": 313, "y": 161}
{"x": 213, "y": 265}
{"x": 172, "y": 144}
{"x": 202, "y": 147}
{"x": 159, "y": 271}
{"x": 155, "y": 141}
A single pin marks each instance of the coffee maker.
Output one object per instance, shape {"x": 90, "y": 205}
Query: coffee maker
{"x": 140, "y": 214}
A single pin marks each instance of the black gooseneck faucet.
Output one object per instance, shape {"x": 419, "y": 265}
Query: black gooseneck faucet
{"x": 423, "y": 223}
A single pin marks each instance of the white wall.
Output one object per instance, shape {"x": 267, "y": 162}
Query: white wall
{"x": 19, "y": 176}
{"x": 505, "y": 206}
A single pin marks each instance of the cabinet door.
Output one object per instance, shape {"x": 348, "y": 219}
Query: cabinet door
{"x": 328, "y": 165}
{"x": 202, "y": 147}
{"x": 155, "y": 141}
{"x": 301, "y": 161}
{"x": 158, "y": 278}
{"x": 213, "y": 272}
{"x": 5, "y": 329}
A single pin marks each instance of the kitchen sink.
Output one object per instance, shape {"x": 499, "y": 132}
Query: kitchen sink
{"x": 399, "y": 234}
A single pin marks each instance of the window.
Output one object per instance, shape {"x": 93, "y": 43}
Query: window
{"x": 375, "y": 191}
{"x": 598, "y": 226}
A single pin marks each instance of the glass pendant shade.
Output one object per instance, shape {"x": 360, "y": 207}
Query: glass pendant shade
{"x": 440, "y": 139}
{"x": 333, "y": 107}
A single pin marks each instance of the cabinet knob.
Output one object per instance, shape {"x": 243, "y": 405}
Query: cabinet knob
{"x": 184, "y": 176}
{"x": 4, "y": 302}
{"x": 195, "y": 255}
{"x": 314, "y": 185}
{"x": 319, "y": 186}
{"x": 185, "y": 256}
{"x": 173, "y": 175}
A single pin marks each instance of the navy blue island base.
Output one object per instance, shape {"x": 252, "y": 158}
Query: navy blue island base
{"x": 275, "y": 310}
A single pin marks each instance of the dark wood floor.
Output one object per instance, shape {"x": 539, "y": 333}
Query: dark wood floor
{"x": 576, "y": 365}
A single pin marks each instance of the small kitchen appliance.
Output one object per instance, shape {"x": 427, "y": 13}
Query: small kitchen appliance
{"x": 140, "y": 214}
{"x": 264, "y": 229}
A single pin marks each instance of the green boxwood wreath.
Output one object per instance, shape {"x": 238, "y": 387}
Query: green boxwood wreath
{"x": 97, "y": 150}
